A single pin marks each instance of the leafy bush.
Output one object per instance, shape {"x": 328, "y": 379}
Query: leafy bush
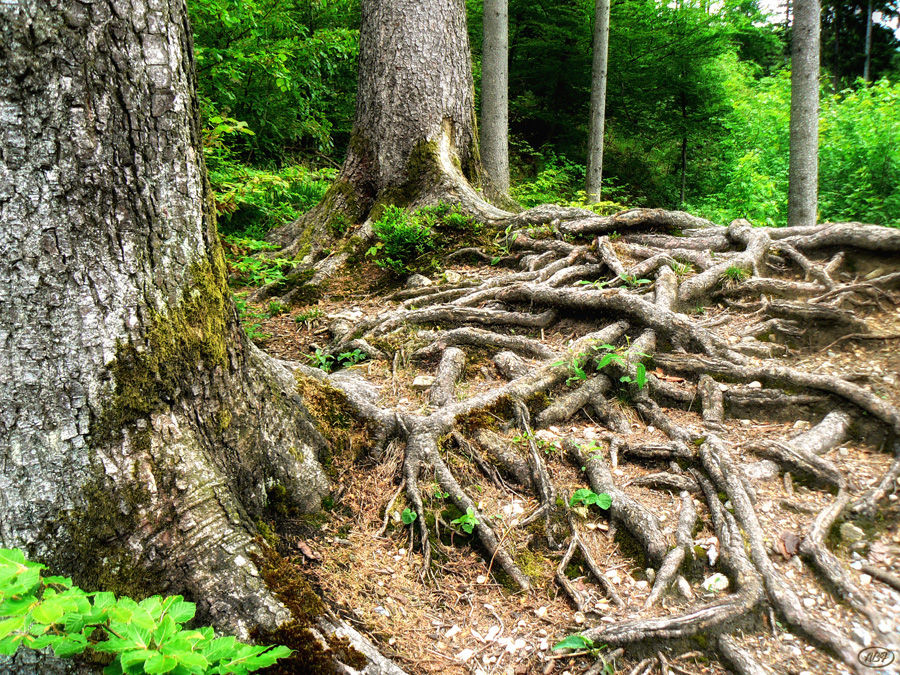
{"x": 859, "y": 154}
{"x": 402, "y": 237}
{"x": 287, "y": 69}
{"x": 561, "y": 181}
{"x": 250, "y": 202}
{"x": 141, "y": 637}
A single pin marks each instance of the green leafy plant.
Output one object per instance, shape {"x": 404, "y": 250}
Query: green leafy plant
{"x": 321, "y": 360}
{"x": 408, "y": 516}
{"x": 736, "y": 274}
{"x": 682, "y": 269}
{"x": 629, "y": 279}
{"x": 141, "y": 637}
{"x": 309, "y": 316}
{"x": 640, "y": 376}
{"x": 352, "y": 357}
{"x": 588, "y": 497}
{"x": 275, "y": 308}
{"x": 467, "y": 521}
{"x": 402, "y": 237}
{"x": 582, "y": 642}
{"x": 250, "y": 320}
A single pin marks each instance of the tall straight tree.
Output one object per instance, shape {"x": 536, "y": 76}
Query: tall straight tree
{"x": 598, "y": 100}
{"x": 868, "y": 63}
{"x": 414, "y": 137}
{"x": 803, "y": 177}
{"x": 495, "y": 94}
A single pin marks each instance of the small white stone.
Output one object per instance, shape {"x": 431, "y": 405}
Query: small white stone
{"x": 540, "y": 612}
{"x": 809, "y": 603}
{"x": 402, "y": 551}
{"x": 651, "y": 429}
{"x": 746, "y": 423}
{"x": 480, "y": 579}
{"x": 642, "y": 585}
{"x": 465, "y": 655}
{"x": 578, "y": 617}
{"x": 423, "y": 382}
{"x": 756, "y": 384}
{"x": 865, "y": 579}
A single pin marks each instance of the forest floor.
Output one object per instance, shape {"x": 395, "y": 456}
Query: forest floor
{"x": 469, "y": 616}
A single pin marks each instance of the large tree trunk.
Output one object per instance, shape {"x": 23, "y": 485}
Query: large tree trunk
{"x": 139, "y": 431}
{"x": 495, "y": 93}
{"x": 414, "y": 138}
{"x": 598, "y": 100}
{"x": 803, "y": 180}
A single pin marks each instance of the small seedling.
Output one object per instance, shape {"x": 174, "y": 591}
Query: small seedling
{"x": 321, "y": 360}
{"x": 587, "y": 497}
{"x": 582, "y": 642}
{"x": 682, "y": 269}
{"x": 736, "y": 274}
{"x": 632, "y": 281}
{"x": 276, "y": 308}
{"x": 467, "y": 521}
{"x": 408, "y": 516}
{"x": 640, "y": 376}
{"x": 352, "y": 358}
{"x": 309, "y": 316}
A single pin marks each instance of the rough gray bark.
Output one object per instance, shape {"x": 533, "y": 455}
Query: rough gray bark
{"x": 598, "y": 100}
{"x": 803, "y": 177}
{"x": 139, "y": 430}
{"x": 414, "y": 136}
{"x": 495, "y": 93}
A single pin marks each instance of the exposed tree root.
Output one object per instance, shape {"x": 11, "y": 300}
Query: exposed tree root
{"x": 633, "y": 291}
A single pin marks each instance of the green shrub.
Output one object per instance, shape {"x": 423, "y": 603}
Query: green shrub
{"x": 402, "y": 237}
{"x": 140, "y": 637}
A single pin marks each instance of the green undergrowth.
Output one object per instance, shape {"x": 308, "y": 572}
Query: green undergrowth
{"x": 38, "y": 611}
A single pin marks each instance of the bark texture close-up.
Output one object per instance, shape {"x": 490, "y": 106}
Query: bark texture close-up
{"x": 140, "y": 432}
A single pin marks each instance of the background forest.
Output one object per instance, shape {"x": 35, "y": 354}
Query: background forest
{"x": 277, "y": 80}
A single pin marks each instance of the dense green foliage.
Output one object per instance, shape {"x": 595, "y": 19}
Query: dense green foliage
{"x": 402, "y": 237}
{"x": 697, "y": 106}
{"x": 285, "y": 67}
{"x": 39, "y": 611}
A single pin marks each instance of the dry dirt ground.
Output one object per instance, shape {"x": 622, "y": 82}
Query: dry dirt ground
{"x": 467, "y": 615}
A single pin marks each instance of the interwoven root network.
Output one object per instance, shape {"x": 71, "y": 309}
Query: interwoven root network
{"x": 636, "y": 285}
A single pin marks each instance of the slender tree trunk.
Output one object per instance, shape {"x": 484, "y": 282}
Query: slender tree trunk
{"x": 804, "y": 135}
{"x": 495, "y": 93}
{"x": 684, "y": 149}
{"x": 836, "y": 73}
{"x": 139, "y": 431}
{"x": 868, "y": 64}
{"x": 598, "y": 100}
{"x": 414, "y": 138}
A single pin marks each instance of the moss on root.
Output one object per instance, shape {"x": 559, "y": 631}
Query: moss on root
{"x": 290, "y": 586}
{"x": 95, "y": 553}
{"x": 329, "y": 409}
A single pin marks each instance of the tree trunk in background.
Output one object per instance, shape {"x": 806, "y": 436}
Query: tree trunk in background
{"x": 598, "y": 100}
{"x": 866, "y": 68}
{"x": 804, "y": 142}
{"x": 495, "y": 94}
{"x": 139, "y": 431}
{"x": 414, "y": 138}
